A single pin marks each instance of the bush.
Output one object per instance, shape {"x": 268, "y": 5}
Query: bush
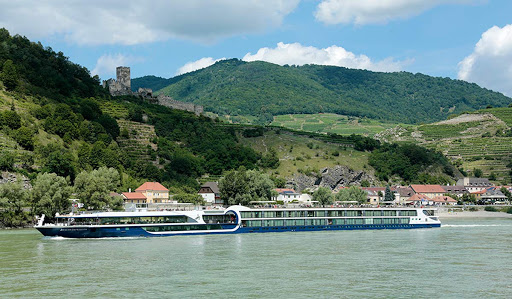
{"x": 509, "y": 210}
{"x": 490, "y": 209}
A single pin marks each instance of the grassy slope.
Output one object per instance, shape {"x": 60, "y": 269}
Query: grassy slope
{"x": 470, "y": 139}
{"x": 295, "y": 155}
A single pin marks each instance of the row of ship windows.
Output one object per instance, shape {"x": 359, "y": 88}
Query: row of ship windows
{"x": 297, "y": 222}
{"x": 328, "y": 213}
{"x": 125, "y": 220}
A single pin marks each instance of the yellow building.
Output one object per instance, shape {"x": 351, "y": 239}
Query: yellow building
{"x": 154, "y": 192}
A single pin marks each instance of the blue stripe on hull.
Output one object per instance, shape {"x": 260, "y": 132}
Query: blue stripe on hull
{"x": 106, "y": 232}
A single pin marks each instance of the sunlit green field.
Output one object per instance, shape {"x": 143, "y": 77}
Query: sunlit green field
{"x": 331, "y": 123}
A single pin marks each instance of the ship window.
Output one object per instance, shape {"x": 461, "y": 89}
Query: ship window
{"x": 320, "y": 213}
{"x": 368, "y": 221}
{"x": 226, "y": 218}
{"x": 350, "y": 220}
{"x": 278, "y": 223}
{"x": 404, "y": 220}
{"x": 300, "y": 222}
{"x": 377, "y": 221}
{"x": 408, "y": 213}
{"x": 389, "y": 213}
{"x": 311, "y": 214}
{"x": 338, "y": 221}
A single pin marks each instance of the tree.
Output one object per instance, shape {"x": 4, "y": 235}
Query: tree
{"x": 507, "y": 193}
{"x": 365, "y": 183}
{"x": 50, "y": 195}
{"x": 93, "y": 188}
{"x": 352, "y": 193}
{"x": 323, "y": 195}
{"x": 9, "y": 75}
{"x": 6, "y": 160}
{"x": 242, "y": 186}
{"x": 13, "y": 200}
{"x": 25, "y": 137}
{"x": 11, "y": 119}
{"x": 60, "y": 162}
{"x": 195, "y": 199}
{"x": 110, "y": 125}
{"x": 478, "y": 172}
{"x": 388, "y": 195}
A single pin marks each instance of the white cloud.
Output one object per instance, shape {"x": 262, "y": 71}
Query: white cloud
{"x": 130, "y": 22}
{"x": 196, "y": 65}
{"x": 362, "y": 12}
{"x": 334, "y": 55}
{"x": 106, "y": 65}
{"x": 490, "y": 64}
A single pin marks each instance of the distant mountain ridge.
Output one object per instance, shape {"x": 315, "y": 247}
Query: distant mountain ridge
{"x": 258, "y": 88}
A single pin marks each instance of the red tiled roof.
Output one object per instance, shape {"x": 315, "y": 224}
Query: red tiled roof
{"x": 427, "y": 188}
{"x": 134, "y": 195}
{"x": 153, "y": 186}
{"x": 443, "y": 199}
{"x": 418, "y": 197}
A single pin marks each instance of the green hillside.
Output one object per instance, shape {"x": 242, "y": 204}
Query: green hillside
{"x": 69, "y": 124}
{"x": 479, "y": 140}
{"x": 234, "y": 87}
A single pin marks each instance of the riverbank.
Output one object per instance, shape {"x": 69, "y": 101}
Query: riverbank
{"x": 458, "y": 213}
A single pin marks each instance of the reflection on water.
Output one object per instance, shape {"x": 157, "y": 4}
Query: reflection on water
{"x": 464, "y": 258}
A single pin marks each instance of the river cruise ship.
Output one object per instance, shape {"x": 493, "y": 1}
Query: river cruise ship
{"x": 235, "y": 219}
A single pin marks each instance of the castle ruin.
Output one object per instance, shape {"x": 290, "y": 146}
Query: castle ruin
{"x": 122, "y": 86}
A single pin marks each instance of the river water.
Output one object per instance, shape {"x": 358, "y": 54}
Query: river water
{"x": 463, "y": 259}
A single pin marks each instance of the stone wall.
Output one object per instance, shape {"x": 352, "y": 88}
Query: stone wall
{"x": 171, "y": 103}
{"x": 122, "y": 87}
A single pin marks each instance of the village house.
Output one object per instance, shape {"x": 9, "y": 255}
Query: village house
{"x": 404, "y": 194}
{"x": 209, "y": 191}
{"x": 458, "y": 190}
{"x": 430, "y": 191}
{"x": 419, "y": 199}
{"x": 286, "y": 195}
{"x": 134, "y": 197}
{"x": 474, "y": 184}
{"x": 444, "y": 201}
{"x": 373, "y": 197}
{"x": 154, "y": 192}
{"x": 493, "y": 196}
{"x": 376, "y": 194}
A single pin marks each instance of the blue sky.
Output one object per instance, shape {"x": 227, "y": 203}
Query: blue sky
{"x": 464, "y": 39}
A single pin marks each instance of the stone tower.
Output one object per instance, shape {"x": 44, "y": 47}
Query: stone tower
{"x": 123, "y": 77}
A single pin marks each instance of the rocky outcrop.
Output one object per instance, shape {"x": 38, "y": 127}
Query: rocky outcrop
{"x": 331, "y": 178}
{"x": 10, "y": 177}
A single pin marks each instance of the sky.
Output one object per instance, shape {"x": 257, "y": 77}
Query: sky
{"x": 469, "y": 40}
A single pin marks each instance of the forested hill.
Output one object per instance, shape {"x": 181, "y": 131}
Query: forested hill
{"x": 236, "y": 87}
